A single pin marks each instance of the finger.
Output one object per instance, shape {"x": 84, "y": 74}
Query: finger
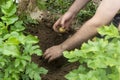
{"x": 51, "y": 59}
{"x": 46, "y": 52}
{"x": 47, "y": 56}
{"x": 63, "y": 23}
{"x": 56, "y": 25}
{"x": 67, "y": 26}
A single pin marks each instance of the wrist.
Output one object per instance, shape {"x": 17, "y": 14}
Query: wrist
{"x": 71, "y": 12}
{"x": 63, "y": 47}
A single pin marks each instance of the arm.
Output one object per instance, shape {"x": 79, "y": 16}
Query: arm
{"x": 77, "y": 6}
{"x": 65, "y": 20}
{"x": 104, "y": 14}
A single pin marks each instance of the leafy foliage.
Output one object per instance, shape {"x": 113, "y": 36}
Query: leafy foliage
{"x": 99, "y": 58}
{"x": 58, "y": 6}
{"x": 16, "y": 48}
{"x": 41, "y": 4}
{"x": 87, "y": 12}
{"x": 61, "y": 6}
{"x": 25, "y": 17}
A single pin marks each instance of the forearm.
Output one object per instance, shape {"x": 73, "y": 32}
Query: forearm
{"x": 77, "y": 6}
{"x": 87, "y": 31}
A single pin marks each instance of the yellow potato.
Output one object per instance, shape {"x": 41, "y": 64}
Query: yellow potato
{"x": 61, "y": 30}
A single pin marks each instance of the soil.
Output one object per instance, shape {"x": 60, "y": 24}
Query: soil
{"x": 58, "y": 68}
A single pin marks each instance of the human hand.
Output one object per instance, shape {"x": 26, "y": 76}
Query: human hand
{"x": 53, "y": 53}
{"x": 64, "y": 21}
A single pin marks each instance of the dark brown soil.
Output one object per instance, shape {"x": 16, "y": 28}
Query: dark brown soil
{"x": 58, "y": 68}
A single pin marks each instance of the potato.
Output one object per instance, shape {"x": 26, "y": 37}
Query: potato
{"x": 61, "y": 30}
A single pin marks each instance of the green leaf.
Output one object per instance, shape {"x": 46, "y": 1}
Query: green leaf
{"x": 25, "y": 77}
{"x": 18, "y": 26}
{"x": 11, "y": 50}
{"x": 6, "y": 36}
{"x": 27, "y": 58}
{"x": 3, "y": 61}
{"x": 2, "y": 24}
{"x": 3, "y": 30}
{"x": 9, "y": 20}
{"x": 1, "y": 75}
{"x": 35, "y": 50}
{"x": 12, "y": 41}
{"x": 20, "y": 36}
{"x": 30, "y": 49}
{"x": 15, "y": 76}
{"x": 9, "y": 12}
{"x": 33, "y": 71}
{"x": 22, "y": 60}
{"x": 7, "y": 4}
{"x": 38, "y": 52}
{"x": 95, "y": 46}
{"x": 31, "y": 39}
{"x": 14, "y": 35}
{"x": 96, "y": 63}
{"x": 37, "y": 77}
{"x": 42, "y": 70}
{"x": 17, "y": 62}
{"x": 110, "y": 31}
{"x": 41, "y": 4}
{"x": 74, "y": 74}
{"x": 72, "y": 55}
{"x": 2, "y": 2}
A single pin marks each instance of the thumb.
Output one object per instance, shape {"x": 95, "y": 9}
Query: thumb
{"x": 63, "y": 23}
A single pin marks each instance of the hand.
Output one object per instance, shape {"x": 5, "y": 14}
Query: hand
{"x": 53, "y": 53}
{"x": 64, "y": 21}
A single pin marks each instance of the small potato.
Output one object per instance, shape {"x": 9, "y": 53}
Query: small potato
{"x": 61, "y": 30}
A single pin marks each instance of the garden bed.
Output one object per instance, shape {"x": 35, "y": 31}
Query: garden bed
{"x": 59, "y": 67}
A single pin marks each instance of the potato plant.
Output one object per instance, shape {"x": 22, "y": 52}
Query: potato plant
{"x": 87, "y": 12}
{"x": 99, "y": 58}
{"x": 58, "y": 6}
{"x": 16, "y": 47}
